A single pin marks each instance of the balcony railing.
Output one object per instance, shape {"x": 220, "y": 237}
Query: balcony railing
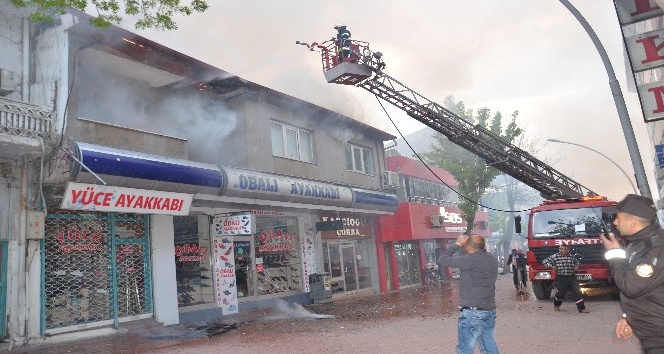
{"x": 25, "y": 120}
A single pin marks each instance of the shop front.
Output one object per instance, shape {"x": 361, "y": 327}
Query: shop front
{"x": 348, "y": 253}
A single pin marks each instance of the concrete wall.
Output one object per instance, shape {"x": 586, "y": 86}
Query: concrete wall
{"x": 331, "y": 133}
{"x": 88, "y": 131}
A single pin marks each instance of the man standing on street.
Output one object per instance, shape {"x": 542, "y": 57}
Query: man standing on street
{"x": 518, "y": 262}
{"x": 565, "y": 266}
{"x": 477, "y": 291}
{"x": 638, "y": 271}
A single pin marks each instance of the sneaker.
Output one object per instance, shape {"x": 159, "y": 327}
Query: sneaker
{"x": 556, "y": 308}
{"x": 584, "y": 311}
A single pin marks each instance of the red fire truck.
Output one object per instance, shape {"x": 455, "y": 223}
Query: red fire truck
{"x": 576, "y": 222}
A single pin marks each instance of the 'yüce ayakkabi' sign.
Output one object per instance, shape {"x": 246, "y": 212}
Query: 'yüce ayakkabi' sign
{"x": 82, "y": 196}
{"x": 244, "y": 224}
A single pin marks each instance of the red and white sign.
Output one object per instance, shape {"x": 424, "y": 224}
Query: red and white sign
{"x": 631, "y": 11}
{"x": 646, "y": 50}
{"x": 82, "y": 196}
{"x": 244, "y": 224}
{"x": 652, "y": 100}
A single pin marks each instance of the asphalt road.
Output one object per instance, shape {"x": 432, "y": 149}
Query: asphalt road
{"x": 421, "y": 320}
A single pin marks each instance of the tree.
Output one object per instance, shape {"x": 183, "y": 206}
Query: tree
{"x": 157, "y": 14}
{"x": 471, "y": 172}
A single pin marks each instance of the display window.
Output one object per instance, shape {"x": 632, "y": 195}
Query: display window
{"x": 347, "y": 262}
{"x": 277, "y": 254}
{"x": 193, "y": 264}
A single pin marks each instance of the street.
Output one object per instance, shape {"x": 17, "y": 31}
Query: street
{"x": 421, "y": 320}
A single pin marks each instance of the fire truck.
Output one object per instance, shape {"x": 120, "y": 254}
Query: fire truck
{"x": 576, "y": 222}
{"x": 571, "y": 214}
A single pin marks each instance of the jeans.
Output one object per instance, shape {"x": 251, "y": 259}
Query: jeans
{"x": 477, "y": 326}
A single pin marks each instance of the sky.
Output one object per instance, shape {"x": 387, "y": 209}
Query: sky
{"x": 510, "y": 55}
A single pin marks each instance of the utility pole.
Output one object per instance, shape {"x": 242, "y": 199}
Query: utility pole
{"x": 635, "y": 155}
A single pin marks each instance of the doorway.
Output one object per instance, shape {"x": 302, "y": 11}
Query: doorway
{"x": 244, "y": 269}
{"x": 341, "y": 264}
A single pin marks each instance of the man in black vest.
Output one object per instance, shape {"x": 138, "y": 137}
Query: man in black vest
{"x": 638, "y": 270}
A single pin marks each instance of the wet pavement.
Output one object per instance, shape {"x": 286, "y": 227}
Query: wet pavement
{"x": 414, "y": 320}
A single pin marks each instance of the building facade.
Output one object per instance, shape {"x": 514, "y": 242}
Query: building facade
{"x": 427, "y": 221}
{"x": 143, "y": 183}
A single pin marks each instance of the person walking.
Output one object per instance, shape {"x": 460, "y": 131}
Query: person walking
{"x": 565, "y": 265}
{"x": 477, "y": 291}
{"x": 638, "y": 271}
{"x": 518, "y": 262}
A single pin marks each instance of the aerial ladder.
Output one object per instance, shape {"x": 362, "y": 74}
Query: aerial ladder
{"x": 351, "y": 62}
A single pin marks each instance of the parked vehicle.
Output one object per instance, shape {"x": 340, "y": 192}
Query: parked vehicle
{"x": 576, "y": 222}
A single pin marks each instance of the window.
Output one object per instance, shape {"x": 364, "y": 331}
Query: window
{"x": 291, "y": 142}
{"x": 359, "y": 159}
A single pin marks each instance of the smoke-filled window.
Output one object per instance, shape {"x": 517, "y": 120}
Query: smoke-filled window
{"x": 291, "y": 142}
{"x": 359, "y": 159}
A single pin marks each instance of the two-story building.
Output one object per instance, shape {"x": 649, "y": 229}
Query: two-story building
{"x": 143, "y": 183}
{"x": 427, "y": 220}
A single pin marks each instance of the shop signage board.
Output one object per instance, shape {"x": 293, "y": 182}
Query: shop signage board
{"x": 83, "y": 196}
{"x": 645, "y": 51}
{"x": 224, "y": 274}
{"x": 244, "y": 224}
{"x": 250, "y": 184}
{"x": 355, "y": 226}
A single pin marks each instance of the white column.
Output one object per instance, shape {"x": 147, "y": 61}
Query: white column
{"x": 163, "y": 270}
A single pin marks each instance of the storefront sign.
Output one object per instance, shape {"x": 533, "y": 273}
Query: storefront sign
{"x": 646, "y": 52}
{"x": 224, "y": 275}
{"x": 355, "y": 226}
{"x": 190, "y": 252}
{"x": 456, "y": 229}
{"x": 426, "y": 190}
{"x": 81, "y": 196}
{"x": 249, "y": 184}
{"x": 244, "y": 224}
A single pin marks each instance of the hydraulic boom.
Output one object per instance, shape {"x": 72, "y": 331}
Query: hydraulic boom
{"x": 351, "y": 62}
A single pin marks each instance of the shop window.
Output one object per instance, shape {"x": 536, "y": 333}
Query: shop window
{"x": 277, "y": 251}
{"x": 359, "y": 159}
{"x": 347, "y": 262}
{"x": 79, "y": 281}
{"x": 193, "y": 265}
{"x": 407, "y": 263}
{"x": 291, "y": 143}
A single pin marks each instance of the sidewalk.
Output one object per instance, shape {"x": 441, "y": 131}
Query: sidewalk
{"x": 136, "y": 337}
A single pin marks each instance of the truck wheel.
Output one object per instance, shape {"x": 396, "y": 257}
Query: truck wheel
{"x": 542, "y": 289}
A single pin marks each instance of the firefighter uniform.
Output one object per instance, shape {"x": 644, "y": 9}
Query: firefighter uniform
{"x": 640, "y": 278}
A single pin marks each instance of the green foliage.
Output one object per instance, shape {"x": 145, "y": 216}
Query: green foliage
{"x": 472, "y": 174}
{"x": 157, "y": 14}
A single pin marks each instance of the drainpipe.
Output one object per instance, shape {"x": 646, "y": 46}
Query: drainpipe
{"x": 26, "y": 61}
{"x": 22, "y": 227}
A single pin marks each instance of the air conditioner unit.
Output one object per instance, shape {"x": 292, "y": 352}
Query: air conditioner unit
{"x": 436, "y": 221}
{"x": 391, "y": 179}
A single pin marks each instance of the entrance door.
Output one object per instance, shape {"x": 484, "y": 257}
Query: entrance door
{"x": 350, "y": 266}
{"x": 244, "y": 268}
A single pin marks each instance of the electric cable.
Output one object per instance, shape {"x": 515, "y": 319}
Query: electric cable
{"x": 434, "y": 173}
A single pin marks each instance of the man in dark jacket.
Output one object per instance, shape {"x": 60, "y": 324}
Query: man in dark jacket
{"x": 518, "y": 261}
{"x": 477, "y": 292}
{"x": 638, "y": 271}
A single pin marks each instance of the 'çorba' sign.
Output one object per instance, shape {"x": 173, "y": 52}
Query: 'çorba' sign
{"x": 82, "y": 196}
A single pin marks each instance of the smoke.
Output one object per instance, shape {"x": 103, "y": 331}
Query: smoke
{"x": 183, "y": 113}
{"x": 284, "y": 310}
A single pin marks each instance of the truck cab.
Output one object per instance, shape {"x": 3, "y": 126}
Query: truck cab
{"x": 576, "y": 222}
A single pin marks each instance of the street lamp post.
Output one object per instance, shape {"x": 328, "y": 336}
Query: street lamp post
{"x": 606, "y": 157}
{"x": 632, "y": 147}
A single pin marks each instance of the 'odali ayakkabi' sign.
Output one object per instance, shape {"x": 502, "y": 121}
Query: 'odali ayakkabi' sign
{"x": 244, "y": 224}
{"x": 82, "y": 196}
{"x": 646, "y": 52}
